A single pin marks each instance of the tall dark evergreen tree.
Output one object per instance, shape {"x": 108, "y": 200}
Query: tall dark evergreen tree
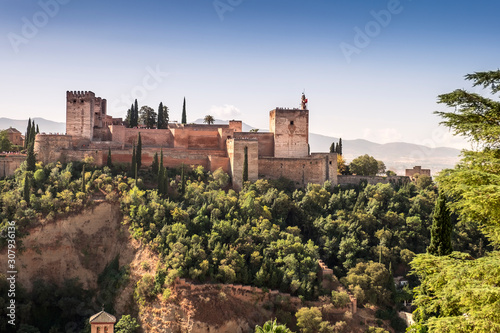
{"x": 27, "y": 188}
{"x": 84, "y": 188}
{"x": 37, "y": 129}
{"x": 160, "y": 174}
{"x": 339, "y": 147}
{"x": 129, "y": 117}
{"x": 30, "y": 158}
{"x": 441, "y": 229}
{"x": 245, "y": 165}
{"x": 161, "y": 120}
{"x": 136, "y": 113}
{"x": 183, "y": 180}
{"x": 333, "y": 148}
{"x": 155, "y": 165}
{"x": 184, "y": 116}
{"x": 109, "y": 162}
{"x": 27, "y": 135}
{"x": 165, "y": 181}
{"x": 134, "y": 162}
{"x": 138, "y": 154}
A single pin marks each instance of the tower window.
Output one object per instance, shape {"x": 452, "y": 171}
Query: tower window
{"x": 291, "y": 122}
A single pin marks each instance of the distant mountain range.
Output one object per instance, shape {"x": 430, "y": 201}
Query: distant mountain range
{"x": 397, "y": 156}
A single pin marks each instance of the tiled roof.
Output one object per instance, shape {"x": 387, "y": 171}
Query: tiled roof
{"x": 102, "y": 317}
{"x": 12, "y": 130}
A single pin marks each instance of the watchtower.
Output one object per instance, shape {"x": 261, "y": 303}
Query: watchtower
{"x": 291, "y": 131}
{"x": 80, "y": 114}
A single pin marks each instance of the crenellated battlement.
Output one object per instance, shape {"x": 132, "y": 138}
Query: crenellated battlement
{"x": 72, "y": 95}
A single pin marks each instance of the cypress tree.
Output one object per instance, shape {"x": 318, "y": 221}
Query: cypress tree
{"x": 129, "y": 117}
{"x": 183, "y": 180}
{"x": 27, "y": 188}
{"x": 136, "y": 113}
{"x": 30, "y": 158}
{"x": 155, "y": 165}
{"x": 441, "y": 229}
{"x": 160, "y": 181}
{"x": 161, "y": 120}
{"x": 165, "y": 181}
{"x": 109, "y": 162}
{"x": 84, "y": 189}
{"x": 37, "y": 129}
{"x": 339, "y": 147}
{"x": 134, "y": 162}
{"x": 33, "y": 131}
{"x": 245, "y": 165}
{"x": 333, "y": 148}
{"x": 27, "y": 135}
{"x": 184, "y": 117}
{"x": 138, "y": 154}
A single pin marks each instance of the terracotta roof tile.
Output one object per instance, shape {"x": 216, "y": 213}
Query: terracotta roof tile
{"x": 102, "y": 317}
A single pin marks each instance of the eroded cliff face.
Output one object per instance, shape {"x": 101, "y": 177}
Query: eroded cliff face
{"x": 78, "y": 246}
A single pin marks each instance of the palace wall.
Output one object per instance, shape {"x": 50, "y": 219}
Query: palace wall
{"x": 266, "y": 142}
{"x": 314, "y": 169}
{"x": 236, "y": 154}
{"x": 9, "y": 163}
{"x": 291, "y": 132}
{"x": 372, "y": 180}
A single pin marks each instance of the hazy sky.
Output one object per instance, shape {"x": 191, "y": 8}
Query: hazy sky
{"x": 371, "y": 69}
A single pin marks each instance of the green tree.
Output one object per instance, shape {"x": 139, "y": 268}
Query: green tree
{"x": 148, "y": 116}
{"x": 27, "y": 135}
{"x": 441, "y": 229}
{"x": 127, "y": 324}
{"x": 136, "y": 114}
{"x": 155, "y": 165}
{"x": 381, "y": 167}
{"x": 339, "y": 147}
{"x": 333, "y": 148}
{"x": 272, "y": 327}
{"x": 184, "y": 116}
{"x": 161, "y": 121}
{"x": 310, "y": 320}
{"x": 364, "y": 165}
{"x": 133, "y": 167}
{"x": 183, "y": 180}
{"x": 209, "y": 120}
{"x": 30, "y": 158}
{"x": 27, "y": 188}
{"x": 129, "y": 116}
{"x": 245, "y": 165}
{"x": 109, "y": 161}
{"x": 84, "y": 182}
{"x": 459, "y": 293}
{"x": 5, "y": 144}
{"x": 138, "y": 153}
{"x": 37, "y": 129}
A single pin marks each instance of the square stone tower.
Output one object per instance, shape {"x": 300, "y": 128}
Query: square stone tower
{"x": 80, "y": 114}
{"x": 291, "y": 132}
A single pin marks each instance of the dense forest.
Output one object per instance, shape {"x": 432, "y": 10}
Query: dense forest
{"x": 272, "y": 235}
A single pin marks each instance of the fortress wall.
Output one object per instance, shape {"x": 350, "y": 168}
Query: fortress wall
{"x": 102, "y": 134}
{"x": 266, "y": 142}
{"x": 207, "y": 139}
{"x": 48, "y": 147}
{"x": 216, "y": 162}
{"x": 372, "y": 180}
{"x": 117, "y": 133}
{"x": 300, "y": 170}
{"x": 149, "y": 137}
{"x": 9, "y": 163}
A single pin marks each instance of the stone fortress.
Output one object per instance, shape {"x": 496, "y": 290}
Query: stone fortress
{"x": 283, "y": 151}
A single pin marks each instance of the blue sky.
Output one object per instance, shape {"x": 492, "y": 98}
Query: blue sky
{"x": 241, "y": 58}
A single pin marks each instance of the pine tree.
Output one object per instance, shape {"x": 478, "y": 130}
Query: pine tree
{"x": 245, "y": 165}
{"x": 134, "y": 162}
{"x": 441, "y": 229}
{"x": 184, "y": 117}
{"x": 155, "y": 164}
{"x": 30, "y": 158}
{"x": 84, "y": 189}
{"x": 27, "y": 188}
{"x": 138, "y": 154}
{"x": 109, "y": 162}
{"x": 161, "y": 120}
